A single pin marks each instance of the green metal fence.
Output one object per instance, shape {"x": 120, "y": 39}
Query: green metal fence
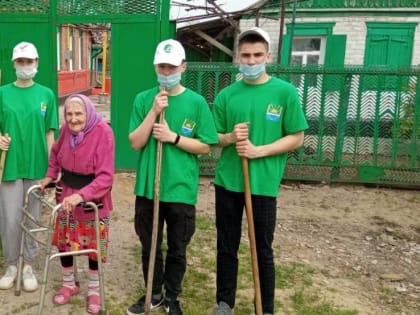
{"x": 364, "y": 123}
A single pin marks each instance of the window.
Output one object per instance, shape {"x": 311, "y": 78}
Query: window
{"x": 315, "y": 44}
{"x": 308, "y": 45}
{"x": 308, "y": 50}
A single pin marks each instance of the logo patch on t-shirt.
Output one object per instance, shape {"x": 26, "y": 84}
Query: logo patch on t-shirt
{"x": 188, "y": 126}
{"x": 273, "y": 112}
{"x": 43, "y": 108}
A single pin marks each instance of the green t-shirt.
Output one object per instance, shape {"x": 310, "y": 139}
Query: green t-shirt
{"x": 189, "y": 115}
{"x": 273, "y": 110}
{"x": 26, "y": 115}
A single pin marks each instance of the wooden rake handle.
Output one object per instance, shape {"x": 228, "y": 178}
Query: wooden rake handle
{"x": 251, "y": 233}
{"x": 2, "y": 161}
{"x": 153, "y": 245}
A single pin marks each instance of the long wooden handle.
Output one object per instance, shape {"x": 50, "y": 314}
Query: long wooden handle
{"x": 251, "y": 234}
{"x": 153, "y": 245}
{"x": 2, "y": 161}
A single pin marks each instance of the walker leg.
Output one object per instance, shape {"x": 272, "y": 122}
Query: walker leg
{"x": 75, "y": 271}
{"x": 44, "y": 285}
{"x": 48, "y": 257}
{"x": 99, "y": 258}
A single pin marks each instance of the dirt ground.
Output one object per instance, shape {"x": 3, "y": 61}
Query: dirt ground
{"x": 363, "y": 242}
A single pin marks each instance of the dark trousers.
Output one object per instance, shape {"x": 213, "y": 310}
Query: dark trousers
{"x": 229, "y": 212}
{"x": 180, "y": 227}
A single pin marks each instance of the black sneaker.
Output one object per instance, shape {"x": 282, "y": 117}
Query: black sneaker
{"x": 139, "y": 309}
{"x": 173, "y": 308}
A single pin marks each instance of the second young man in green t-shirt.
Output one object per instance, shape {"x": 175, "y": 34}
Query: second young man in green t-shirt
{"x": 259, "y": 118}
{"x": 188, "y": 130}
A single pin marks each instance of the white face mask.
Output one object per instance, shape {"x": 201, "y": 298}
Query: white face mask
{"x": 26, "y": 72}
{"x": 252, "y": 72}
{"x": 169, "y": 81}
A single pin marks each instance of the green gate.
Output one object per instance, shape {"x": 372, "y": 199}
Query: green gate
{"x": 364, "y": 123}
{"x": 136, "y": 27}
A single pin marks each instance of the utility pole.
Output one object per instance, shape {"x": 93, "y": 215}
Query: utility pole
{"x": 292, "y": 30}
{"x": 282, "y": 10}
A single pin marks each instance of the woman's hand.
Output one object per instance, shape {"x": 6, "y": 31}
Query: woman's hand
{"x": 44, "y": 182}
{"x": 69, "y": 203}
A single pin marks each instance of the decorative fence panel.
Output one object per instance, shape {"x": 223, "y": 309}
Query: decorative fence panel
{"x": 364, "y": 123}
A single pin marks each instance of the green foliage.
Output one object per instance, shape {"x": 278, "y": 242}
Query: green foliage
{"x": 410, "y": 119}
{"x": 296, "y": 274}
{"x": 311, "y": 304}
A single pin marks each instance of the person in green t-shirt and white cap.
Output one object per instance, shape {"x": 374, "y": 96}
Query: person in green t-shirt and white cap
{"x": 28, "y": 118}
{"x": 259, "y": 118}
{"x": 187, "y": 131}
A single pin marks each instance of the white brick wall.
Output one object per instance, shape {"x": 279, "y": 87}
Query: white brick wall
{"x": 354, "y": 27}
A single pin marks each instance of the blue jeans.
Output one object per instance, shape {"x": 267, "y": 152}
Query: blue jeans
{"x": 229, "y": 212}
{"x": 180, "y": 227}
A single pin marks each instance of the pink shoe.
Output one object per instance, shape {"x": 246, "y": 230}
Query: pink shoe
{"x": 63, "y": 295}
{"x": 93, "y": 304}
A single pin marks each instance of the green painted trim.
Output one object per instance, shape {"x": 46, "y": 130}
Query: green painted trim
{"x": 322, "y": 4}
{"x": 311, "y": 28}
{"x": 412, "y": 12}
{"x": 391, "y": 28}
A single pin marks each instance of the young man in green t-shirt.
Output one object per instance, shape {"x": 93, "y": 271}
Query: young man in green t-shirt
{"x": 259, "y": 118}
{"x": 187, "y": 130}
{"x": 28, "y": 118}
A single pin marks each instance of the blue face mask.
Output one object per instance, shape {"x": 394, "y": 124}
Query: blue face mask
{"x": 252, "y": 72}
{"x": 169, "y": 81}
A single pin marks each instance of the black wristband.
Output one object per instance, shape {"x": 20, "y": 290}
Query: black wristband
{"x": 177, "y": 139}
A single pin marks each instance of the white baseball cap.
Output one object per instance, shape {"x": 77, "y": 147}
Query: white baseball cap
{"x": 25, "y": 50}
{"x": 169, "y": 51}
{"x": 256, "y": 31}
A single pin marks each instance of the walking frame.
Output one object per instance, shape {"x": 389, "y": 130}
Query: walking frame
{"x": 49, "y": 229}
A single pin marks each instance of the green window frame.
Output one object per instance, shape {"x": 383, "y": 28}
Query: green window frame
{"x": 334, "y": 53}
{"x": 303, "y": 29}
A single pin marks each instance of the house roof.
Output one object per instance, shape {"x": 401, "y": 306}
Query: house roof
{"x": 187, "y": 12}
{"x": 203, "y": 25}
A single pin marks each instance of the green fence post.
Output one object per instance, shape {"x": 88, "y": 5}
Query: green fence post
{"x": 341, "y": 128}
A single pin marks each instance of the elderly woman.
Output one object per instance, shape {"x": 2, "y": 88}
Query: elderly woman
{"x": 84, "y": 155}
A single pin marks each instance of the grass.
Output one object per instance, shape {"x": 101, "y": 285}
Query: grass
{"x": 198, "y": 296}
{"x": 312, "y": 304}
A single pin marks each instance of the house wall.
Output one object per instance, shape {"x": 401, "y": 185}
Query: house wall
{"x": 72, "y": 77}
{"x": 354, "y": 27}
